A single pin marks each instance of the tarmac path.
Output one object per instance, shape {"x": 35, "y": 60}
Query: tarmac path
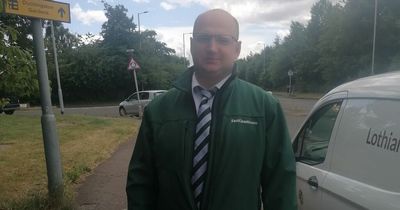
{"x": 104, "y": 189}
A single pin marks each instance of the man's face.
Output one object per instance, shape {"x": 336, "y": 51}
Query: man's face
{"x": 214, "y": 45}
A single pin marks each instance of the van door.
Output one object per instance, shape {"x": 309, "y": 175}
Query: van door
{"x": 310, "y": 148}
{"x": 364, "y": 172}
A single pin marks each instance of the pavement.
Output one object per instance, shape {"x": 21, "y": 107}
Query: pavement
{"x": 104, "y": 189}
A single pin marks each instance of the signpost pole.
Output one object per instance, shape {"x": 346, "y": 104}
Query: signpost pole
{"x": 137, "y": 91}
{"x": 290, "y": 74}
{"x": 49, "y": 130}
{"x": 133, "y": 66}
{"x": 60, "y": 96}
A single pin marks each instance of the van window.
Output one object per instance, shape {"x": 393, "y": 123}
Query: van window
{"x": 311, "y": 144}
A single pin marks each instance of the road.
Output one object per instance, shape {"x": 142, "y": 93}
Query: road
{"x": 296, "y": 110}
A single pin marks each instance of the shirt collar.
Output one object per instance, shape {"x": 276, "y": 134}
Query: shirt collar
{"x": 196, "y": 83}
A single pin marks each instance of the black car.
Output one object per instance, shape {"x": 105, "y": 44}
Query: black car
{"x": 9, "y": 106}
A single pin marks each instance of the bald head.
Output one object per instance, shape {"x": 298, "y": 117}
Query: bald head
{"x": 217, "y": 16}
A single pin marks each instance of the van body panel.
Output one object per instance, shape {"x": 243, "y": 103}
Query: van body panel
{"x": 379, "y": 86}
{"x": 347, "y": 194}
{"x": 361, "y": 166}
{"x": 369, "y": 137}
{"x": 309, "y": 197}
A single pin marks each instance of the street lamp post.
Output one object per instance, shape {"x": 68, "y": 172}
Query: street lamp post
{"x": 183, "y": 46}
{"x": 263, "y": 43}
{"x": 138, "y": 17}
{"x": 264, "y": 57}
{"x": 373, "y": 42}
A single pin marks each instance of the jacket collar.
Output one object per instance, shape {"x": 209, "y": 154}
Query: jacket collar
{"x": 184, "y": 81}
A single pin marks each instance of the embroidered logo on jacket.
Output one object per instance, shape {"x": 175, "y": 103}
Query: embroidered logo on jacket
{"x": 244, "y": 121}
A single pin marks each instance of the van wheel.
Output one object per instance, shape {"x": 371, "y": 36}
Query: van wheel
{"x": 122, "y": 111}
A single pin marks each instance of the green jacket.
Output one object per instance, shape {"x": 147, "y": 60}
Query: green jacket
{"x": 250, "y": 154}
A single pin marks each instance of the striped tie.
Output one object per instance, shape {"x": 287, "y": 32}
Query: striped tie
{"x": 200, "y": 154}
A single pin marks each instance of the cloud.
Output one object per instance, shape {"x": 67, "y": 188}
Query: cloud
{"x": 252, "y": 40}
{"x": 173, "y": 37}
{"x": 260, "y": 20}
{"x": 90, "y": 38}
{"x": 94, "y": 2}
{"x": 167, "y": 6}
{"x": 141, "y": 1}
{"x": 88, "y": 17}
{"x": 254, "y": 11}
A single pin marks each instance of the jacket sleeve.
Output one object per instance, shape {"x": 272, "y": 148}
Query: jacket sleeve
{"x": 278, "y": 178}
{"x": 141, "y": 187}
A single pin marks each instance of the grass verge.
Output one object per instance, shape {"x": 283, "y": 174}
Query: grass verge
{"x": 314, "y": 96}
{"x": 85, "y": 141}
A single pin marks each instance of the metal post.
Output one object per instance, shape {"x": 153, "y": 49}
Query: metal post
{"x": 264, "y": 57}
{"x": 183, "y": 46}
{"x": 184, "y": 53}
{"x": 373, "y": 42}
{"x": 137, "y": 91}
{"x": 290, "y": 74}
{"x": 60, "y": 96}
{"x": 48, "y": 121}
{"x": 140, "y": 40}
{"x": 138, "y": 17}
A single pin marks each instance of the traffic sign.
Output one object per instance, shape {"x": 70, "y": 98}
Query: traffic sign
{"x": 133, "y": 65}
{"x": 49, "y": 10}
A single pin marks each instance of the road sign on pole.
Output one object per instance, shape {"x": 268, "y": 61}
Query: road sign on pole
{"x": 49, "y": 10}
{"x": 40, "y": 9}
{"x": 290, "y": 88}
{"x": 133, "y": 65}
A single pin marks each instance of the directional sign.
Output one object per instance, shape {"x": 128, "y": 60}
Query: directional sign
{"x": 49, "y": 10}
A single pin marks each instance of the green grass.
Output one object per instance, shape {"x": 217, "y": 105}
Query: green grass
{"x": 85, "y": 141}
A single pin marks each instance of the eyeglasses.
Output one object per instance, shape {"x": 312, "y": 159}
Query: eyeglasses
{"x": 219, "y": 38}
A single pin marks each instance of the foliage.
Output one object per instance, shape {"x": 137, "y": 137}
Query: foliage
{"x": 118, "y": 30}
{"x": 98, "y": 71}
{"x": 335, "y": 46}
{"x": 17, "y": 72}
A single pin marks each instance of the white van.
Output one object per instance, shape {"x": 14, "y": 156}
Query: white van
{"x": 348, "y": 149}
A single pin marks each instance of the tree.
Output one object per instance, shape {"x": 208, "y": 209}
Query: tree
{"x": 18, "y": 74}
{"x": 98, "y": 71}
{"x": 118, "y": 30}
{"x": 335, "y": 46}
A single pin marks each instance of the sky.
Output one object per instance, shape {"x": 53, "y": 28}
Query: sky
{"x": 260, "y": 20}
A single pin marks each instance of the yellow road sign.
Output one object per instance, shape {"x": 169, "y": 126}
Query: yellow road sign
{"x": 50, "y": 10}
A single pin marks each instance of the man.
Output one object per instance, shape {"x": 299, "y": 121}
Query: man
{"x": 213, "y": 142}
